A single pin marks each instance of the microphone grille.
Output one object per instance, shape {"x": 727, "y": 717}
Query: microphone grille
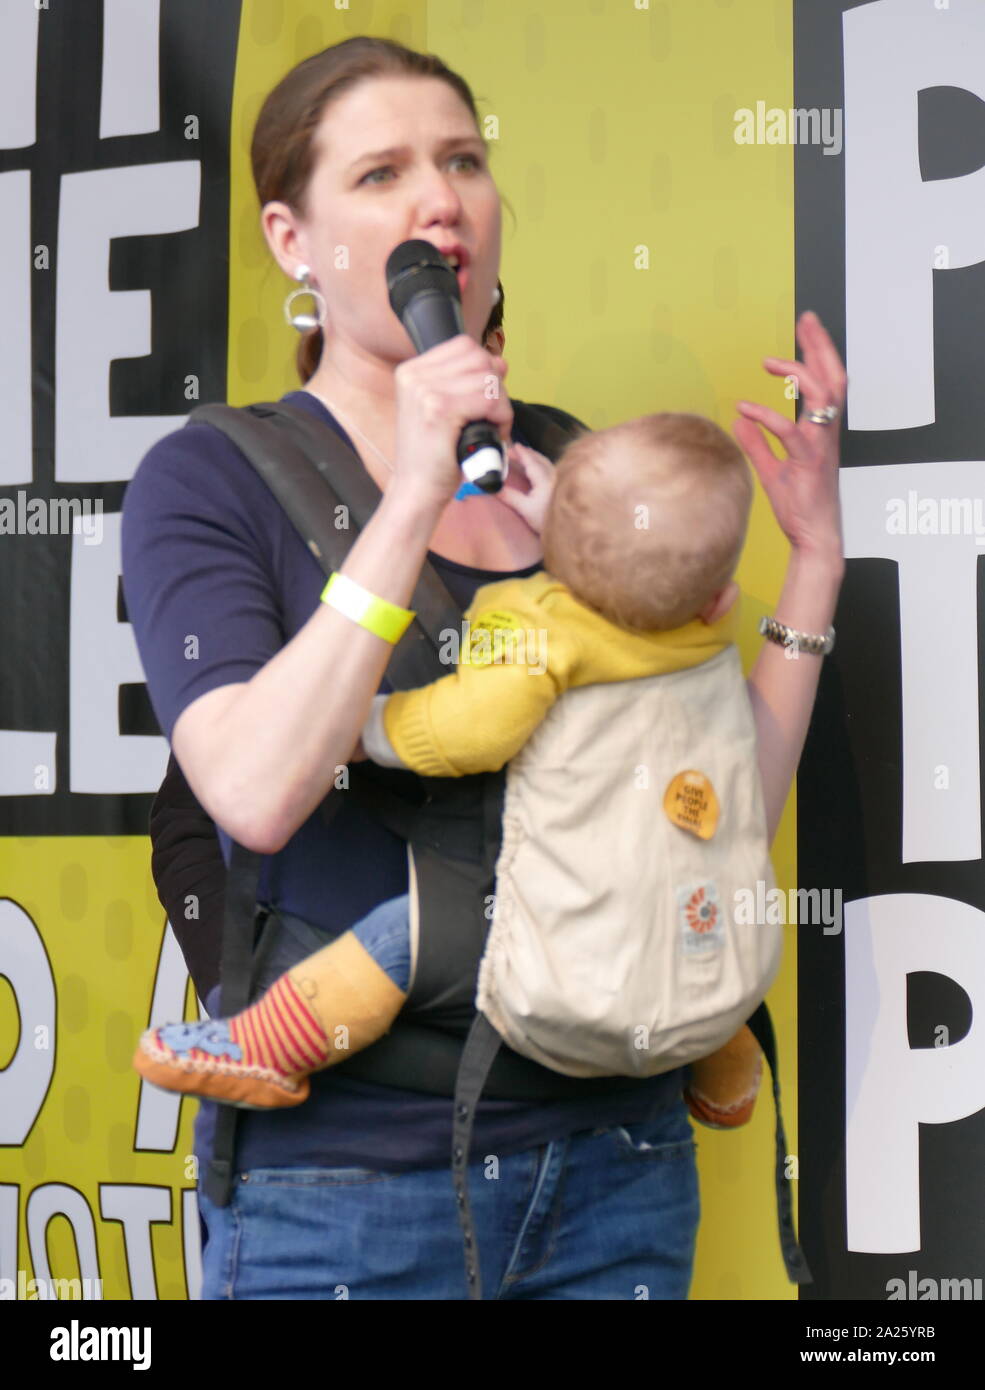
{"x": 414, "y": 266}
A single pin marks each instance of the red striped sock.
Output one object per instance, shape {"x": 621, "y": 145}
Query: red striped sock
{"x": 279, "y": 1031}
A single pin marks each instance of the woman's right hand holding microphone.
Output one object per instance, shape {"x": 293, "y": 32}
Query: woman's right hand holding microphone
{"x": 438, "y": 393}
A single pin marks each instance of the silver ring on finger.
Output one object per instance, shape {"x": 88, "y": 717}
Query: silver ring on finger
{"x": 827, "y": 415}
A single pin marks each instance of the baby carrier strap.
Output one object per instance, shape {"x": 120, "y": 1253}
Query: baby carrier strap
{"x": 315, "y": 477}
{"x": 798, "y": 1271}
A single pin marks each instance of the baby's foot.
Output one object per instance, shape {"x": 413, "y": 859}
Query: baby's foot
{"x": 204, "y": 1059}
{"x": 724, "y": 1110}
{"x": 731, "y": 1116}
{"x": 722, "y": 1088}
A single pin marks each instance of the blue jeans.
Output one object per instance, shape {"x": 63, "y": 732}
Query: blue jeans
{"x": 385, "y": 934}
{"x": 603, "y": 1214}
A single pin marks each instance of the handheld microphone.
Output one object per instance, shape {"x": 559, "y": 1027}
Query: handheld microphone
{"x": 424, "y": 295}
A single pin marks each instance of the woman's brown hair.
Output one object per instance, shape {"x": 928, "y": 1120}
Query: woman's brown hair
{"x": 282, "y": 153}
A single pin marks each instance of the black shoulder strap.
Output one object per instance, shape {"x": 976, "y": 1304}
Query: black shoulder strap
{"x": 320, "y": 482}
{"x": 547, "y": 428}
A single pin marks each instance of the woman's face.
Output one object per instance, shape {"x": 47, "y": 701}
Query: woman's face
{"x": 396, "y": 158}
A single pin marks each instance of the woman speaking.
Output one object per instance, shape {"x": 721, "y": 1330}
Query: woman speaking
{"x": 262, "y": 691}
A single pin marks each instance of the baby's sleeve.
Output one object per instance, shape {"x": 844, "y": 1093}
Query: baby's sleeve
{"x": 507, "y": 677}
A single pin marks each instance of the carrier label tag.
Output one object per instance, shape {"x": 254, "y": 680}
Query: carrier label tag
{"x": 691, "y": 803}
{"x": 701, "y": 924}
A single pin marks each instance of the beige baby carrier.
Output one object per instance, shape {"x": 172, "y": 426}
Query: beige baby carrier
{"x": 634, "y": 837}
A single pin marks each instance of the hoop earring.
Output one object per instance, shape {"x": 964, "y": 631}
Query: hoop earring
{"x": 304, "y": 323}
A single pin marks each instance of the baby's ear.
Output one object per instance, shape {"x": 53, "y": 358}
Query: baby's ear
{"x": 718, "y": 606}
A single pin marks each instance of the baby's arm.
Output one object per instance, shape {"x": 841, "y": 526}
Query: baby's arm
{"x": 480, "y": 715}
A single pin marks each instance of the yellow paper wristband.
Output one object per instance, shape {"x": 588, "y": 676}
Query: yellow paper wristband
{"x": 378, "y": 615}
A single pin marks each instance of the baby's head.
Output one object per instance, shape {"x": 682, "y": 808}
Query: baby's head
{"x": 648, "y": 518}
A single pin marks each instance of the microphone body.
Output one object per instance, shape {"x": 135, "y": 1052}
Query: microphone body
{"x": 424, "y": 295}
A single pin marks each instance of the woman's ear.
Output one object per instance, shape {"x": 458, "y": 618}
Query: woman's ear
{"x": 495, "y": 341}
{"x": 718, "y": 606}
{"x": 284, "y": 238}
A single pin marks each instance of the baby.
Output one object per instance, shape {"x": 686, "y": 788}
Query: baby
{"x": 644, "y": 528}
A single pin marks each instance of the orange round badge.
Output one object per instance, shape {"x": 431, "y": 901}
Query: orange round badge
{"x": 691, "y": 803}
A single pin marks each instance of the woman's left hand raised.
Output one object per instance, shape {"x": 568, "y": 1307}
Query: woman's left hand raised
{"x": 803, "y": 487}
